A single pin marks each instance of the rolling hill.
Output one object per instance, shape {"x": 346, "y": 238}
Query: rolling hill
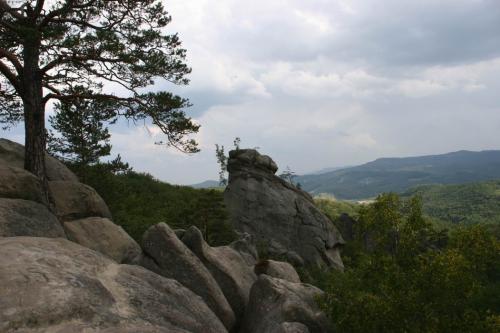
{"x": 400, "y": 174}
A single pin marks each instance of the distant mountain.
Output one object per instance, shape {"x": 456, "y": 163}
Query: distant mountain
{"x": 400, "y": 174}
{"x": 206, "y": 184}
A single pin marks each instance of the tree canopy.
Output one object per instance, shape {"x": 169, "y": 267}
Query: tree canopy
{"x": 49, "y": 48}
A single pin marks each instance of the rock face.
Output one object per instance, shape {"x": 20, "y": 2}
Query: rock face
{"x": 27, "y": 218}
{"x": 12, "y": 154}
{"x": 18, "y": 183}
{"x": 74, "y": 201}
{"x": 54, "y": 285}
{"x": 278, "y": 305}
{"x": 282, "y": 218}
{"x": 102, "y": 235}
{"x": 172, "y": 259}
{"x": 234, "y": 276}
{"x": 277, "y": 269}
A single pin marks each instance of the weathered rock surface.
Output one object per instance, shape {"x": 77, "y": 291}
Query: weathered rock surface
{"x": 172, "y": 259}
{"x": 56, "y": 286}
{"x": 275, "y": 304}
{"x": 232, "y": 273}
{"x": 245, "y": 246}
{"x": 16, "y": 183}
{"x": 73, "y": 201}
{"x": 277, "y": 269}
{"x": 102, "y": 235}
{"x": 27, "y": 218}
{"x": 281, "y": 217}
{"x": 12, "y": 154}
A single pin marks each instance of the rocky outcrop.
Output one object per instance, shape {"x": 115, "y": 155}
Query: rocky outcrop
{"x": 16, "y": 183}
{"x": 74, "y": 201}
{"x": 54, "y": 285}
{"x": 234, "y": 276}
{"x": 281, "y": 218}
{"x": 12, "y": 154}
{"x": 172, "y": 259}
{"x": 277, "y": 269}
{"x": 278, "y": 305}
{"x": 27, "y": 218}
{"x": 102, "y": 235}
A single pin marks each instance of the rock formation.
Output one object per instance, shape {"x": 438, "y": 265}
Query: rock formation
{"x": 55, "y": 285}
{"x": 282, "y": 218}
{"x": 172, "y": 259}
{"x": 276, "y": 303}
{"x": 63, "y": 264}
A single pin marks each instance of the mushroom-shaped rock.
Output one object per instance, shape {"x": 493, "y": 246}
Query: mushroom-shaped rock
{"x": 278, "y": 215}
{"x": 54, "y": 285}
{"x": 234, "y": 276}
{"x": 102, "y": 235}
{"x": 277, "y": 269}
{"x": 73, "y": 201}
{"x": 276, "y": 301}
{"x": 172, "y": 259}
{"x": 12, "y": 154}
{"x": 27, "y": 218}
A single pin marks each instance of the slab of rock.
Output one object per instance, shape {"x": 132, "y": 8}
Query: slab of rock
{"x": 54, "y": 285}
{"x": 27, "y": 218}
{"x": 102, "y": 235}
{"x": 281, "y": 217}
{"x": 232, "y": 273}
{"x": 277, "y": 269}
{"x": 73, "y": 201}
{"x": 245, "y": 246}
{"x": 291, "y": 328}
{"x": 172, "y": 259}
{"x": 275, "y": 302}
{"x": 16, "y": 183}
{"x": 12, "y": 154}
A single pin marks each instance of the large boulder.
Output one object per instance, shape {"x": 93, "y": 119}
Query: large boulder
{"x": 234, "y": 276}
{"x": 172, "y": 259}
{"x": 277, "y": 269}
{"x": 282, "y": 218}
{"x": 16, "y": 183}
{"x": 12, "y": 154}
{"x": 27, "y": 218}
{"x": 275, "y": 304}
{"x": 73, "y": 201}
{"x": 53, "y": 285}
{"x": 102, "y": 235}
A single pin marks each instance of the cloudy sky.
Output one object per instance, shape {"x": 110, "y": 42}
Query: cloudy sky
{"x": 324, "y": 83}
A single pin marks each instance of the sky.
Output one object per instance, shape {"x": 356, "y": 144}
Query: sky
{"x": 327, "y": 83}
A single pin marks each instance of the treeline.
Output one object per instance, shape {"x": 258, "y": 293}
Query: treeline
{"x": 138, "y": 200}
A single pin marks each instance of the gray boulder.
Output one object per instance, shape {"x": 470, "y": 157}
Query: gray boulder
{"x": 27, "y": 218}
{"x": 73, "y": 201}
{"x": 276, "y": 302}
{"x": 16, "y": 183}
{"x": 232, "y": 273}
{"x": 53, "y": 285}
{"x": 282, "y": 218}
{"x": 172, "y": 259}
{"x": 277, "y": 269}
{"x": 12, "y": 154}
{"x": 102, "y": 235}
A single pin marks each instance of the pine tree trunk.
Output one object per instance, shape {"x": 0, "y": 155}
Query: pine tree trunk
{"x": 34, "y": 114}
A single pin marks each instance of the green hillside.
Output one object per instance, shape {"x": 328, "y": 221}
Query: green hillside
{"x": 400, "y": 174}
{"x": 463, "y": 204}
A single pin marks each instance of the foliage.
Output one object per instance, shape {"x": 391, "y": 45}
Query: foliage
{"x": 334, "y": 208}
{"x": 83, "y": 137}
{"x": 138, "y": 201}
{"x": 404, "y": 276}
{"x": 288, "y": 175}
{"x": 460, "y": 204}
{"x": 47, "y": 48}
{"x": 222, "y": 160}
